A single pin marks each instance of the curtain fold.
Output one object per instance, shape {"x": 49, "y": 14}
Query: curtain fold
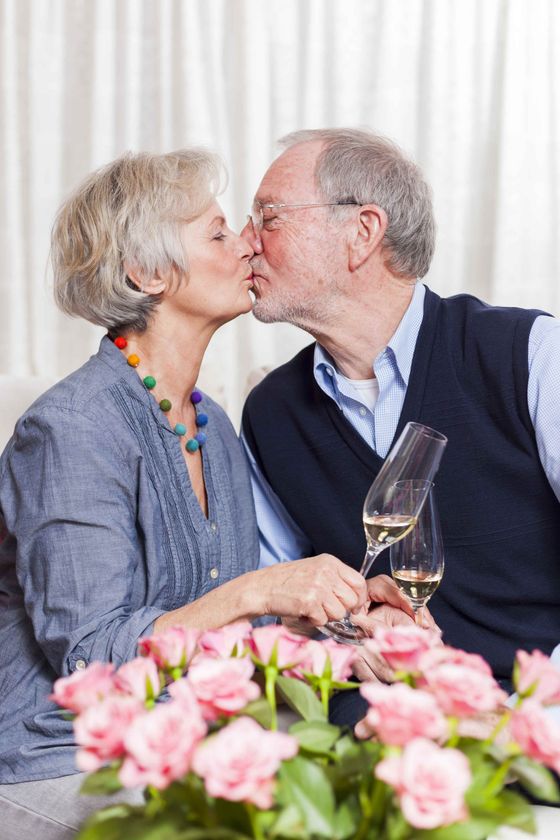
{"x": 470, "y": 89}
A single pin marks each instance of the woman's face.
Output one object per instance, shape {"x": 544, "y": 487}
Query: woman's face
{"x": 219, "y": 272}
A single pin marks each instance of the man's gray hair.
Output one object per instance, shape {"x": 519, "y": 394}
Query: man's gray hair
{"x": 365, "y": 168}
{"x": 129, "y": 211}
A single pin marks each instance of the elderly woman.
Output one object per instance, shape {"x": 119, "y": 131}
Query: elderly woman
{"x": 125, "y": 502}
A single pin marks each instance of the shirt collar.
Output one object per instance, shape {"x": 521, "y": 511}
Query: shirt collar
{"x": 402, "y": 343}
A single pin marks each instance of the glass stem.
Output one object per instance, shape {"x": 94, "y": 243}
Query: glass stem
{"x": 419, "y": 614}
{"x": 371, "y": 554}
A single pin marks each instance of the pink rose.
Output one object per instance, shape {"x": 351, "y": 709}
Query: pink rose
{"x": 402, "y": 645}
{"x": 160, "y": 746}
{"x": 289, "y": 647}
{"x": 84, "y": 688}
{"x": 536, "y": 733}
{"x": 230, "y": 640}
{"x": 174, "y": 648}
{"x": 453, "y": 656}
{"x": 100, "y": 730}
{"x": 315, "y": 655}
{"x": 182, "y": 692}
{"x": 430, "y": 782}
{"x": 537, "y": 668}
{"x": 140, "y": 678}
{"x": 240, "y": 762}
{"x": 398, "y": 713}
{"x": 463, "y": 691}
{"x": 222, "y": 686}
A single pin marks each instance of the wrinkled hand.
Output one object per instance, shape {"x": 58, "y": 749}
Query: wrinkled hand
{"x": 318, "y": 589}
{"x": 371, "y": 666}
{"x": 395, "y": 609}
{"x": 383, "y": 590}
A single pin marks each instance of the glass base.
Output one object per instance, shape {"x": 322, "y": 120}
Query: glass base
{"x": 344, "y": 632}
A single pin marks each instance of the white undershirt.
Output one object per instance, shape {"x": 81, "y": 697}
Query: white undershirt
{"x": 367, "y": 390}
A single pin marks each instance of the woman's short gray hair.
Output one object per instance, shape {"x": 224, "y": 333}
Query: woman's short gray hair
{"x": 129, "y": 211}
{"x": 365, "y": 168}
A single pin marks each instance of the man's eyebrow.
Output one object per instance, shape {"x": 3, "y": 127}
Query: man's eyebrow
{"x": 266, "y": 199}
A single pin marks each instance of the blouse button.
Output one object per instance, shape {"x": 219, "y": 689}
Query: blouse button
{"x": 80, "y": 665}
{"x": 214, "y": 573}
{"x": 213, "y": 526}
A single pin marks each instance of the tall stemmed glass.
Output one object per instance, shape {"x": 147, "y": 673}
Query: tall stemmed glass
{"x": 389, "y": 512}
{"x": 417, "y": 561}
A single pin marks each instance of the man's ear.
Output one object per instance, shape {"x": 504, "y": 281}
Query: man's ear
{"x": 367, "y": 235}
{"x": 154, "y": 285}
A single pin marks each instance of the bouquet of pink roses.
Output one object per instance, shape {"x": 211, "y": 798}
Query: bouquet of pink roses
{"x": 193, "y": 721}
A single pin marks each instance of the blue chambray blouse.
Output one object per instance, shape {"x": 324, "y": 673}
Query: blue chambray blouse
{"x": 102, "y": 533}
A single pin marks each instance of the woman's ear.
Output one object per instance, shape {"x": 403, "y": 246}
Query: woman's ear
{"x": 367, "y": 236}
{"x": 154, "y": 285}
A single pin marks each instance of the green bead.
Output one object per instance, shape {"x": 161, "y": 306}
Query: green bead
{"x": 180, "y": 429}
{"x": 149, "y": 382}
{"x": 192, "y": 445}
{"x": 165, "y": 405}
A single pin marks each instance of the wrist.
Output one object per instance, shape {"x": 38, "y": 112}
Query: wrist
{"x": 253, "y": 594}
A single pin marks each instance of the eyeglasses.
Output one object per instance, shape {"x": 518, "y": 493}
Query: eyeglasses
{"x": 257, "y": 220}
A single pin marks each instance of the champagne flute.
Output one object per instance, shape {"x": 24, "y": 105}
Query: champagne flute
{"x": 417, "y": 561}
{"x": 416, "y": 456}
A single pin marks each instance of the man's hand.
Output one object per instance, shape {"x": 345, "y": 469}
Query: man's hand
{"x": 371, "y": 666}
{"x": 394, "y": 610}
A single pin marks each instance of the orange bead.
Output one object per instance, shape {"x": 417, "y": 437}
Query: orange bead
{"x": 133, "y": 360}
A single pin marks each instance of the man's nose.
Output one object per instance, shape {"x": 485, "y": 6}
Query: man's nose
{"x": 251, "y": 236}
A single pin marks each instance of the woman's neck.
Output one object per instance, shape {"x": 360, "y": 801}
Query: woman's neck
{"x": 172, "y": 353}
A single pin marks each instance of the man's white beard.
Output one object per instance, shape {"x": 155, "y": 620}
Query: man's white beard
{"x": 303, "y": 312}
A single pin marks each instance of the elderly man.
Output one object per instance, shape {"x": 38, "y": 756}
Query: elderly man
{"x": 342, "y": 227}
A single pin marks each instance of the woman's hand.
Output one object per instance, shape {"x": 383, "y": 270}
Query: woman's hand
{"x": 318, "y": 589}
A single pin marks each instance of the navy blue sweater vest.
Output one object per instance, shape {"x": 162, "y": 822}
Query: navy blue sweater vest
{"x": 500, "y": 517}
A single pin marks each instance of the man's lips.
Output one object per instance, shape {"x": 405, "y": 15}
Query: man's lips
{"x": 258, "y": 280}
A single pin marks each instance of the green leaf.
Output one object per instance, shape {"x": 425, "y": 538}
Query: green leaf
{"x": 300, "y": 698}
{"x": 513, "y": 809}
{"x": 289, "y": 825}
{"x": 476, "y": 828}
{"x": 535, "y": 778}
{"x": 352, "y": 758}
{"x": 315, "y": 736}
{"x": 103, "y": 781}
{"x": 260, "y": 711}
{"x": 209, "y": 834}
{"x": 117, "y": 822}
{"x": 346, "y": 820}
{"x": 345, "y": 686}
{"x": 397, "y": 827}
{"x": 305, "y": 784}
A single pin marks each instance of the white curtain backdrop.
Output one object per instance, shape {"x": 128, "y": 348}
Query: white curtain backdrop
{"x": 471, "y": 88}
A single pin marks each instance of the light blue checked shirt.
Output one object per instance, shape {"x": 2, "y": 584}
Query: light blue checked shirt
{"x": 281, "y": 539}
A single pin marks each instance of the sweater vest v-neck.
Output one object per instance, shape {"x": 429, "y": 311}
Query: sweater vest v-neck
{"x": 500, "y": 517}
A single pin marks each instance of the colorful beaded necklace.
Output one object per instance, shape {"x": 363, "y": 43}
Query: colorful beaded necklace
{"x": 192, "y": 444}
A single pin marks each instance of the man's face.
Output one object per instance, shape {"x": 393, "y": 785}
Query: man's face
{"x": 298, "y": 251}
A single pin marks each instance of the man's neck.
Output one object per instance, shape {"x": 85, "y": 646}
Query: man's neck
{"x": 363, "y": 327}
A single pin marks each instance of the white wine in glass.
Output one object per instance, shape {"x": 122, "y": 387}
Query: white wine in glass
{"x": 390, "y": 512}
{"x": 417, "y": 562}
